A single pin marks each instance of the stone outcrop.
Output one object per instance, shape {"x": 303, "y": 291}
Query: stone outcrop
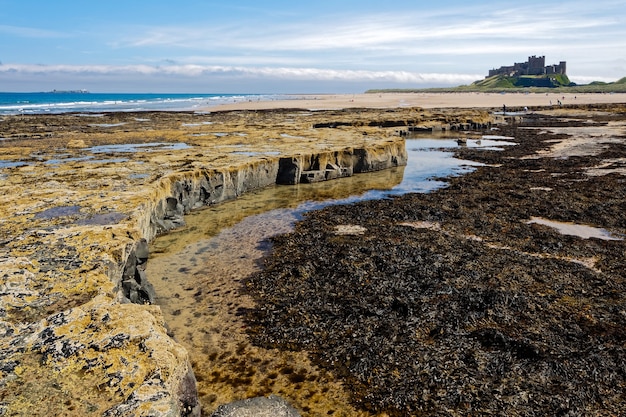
{"x": 101, "y": 345}
{"x": 182, "y": 192}
{"x": 329, "y": 166}
{"x": 78, "y": 329}
{"x": 445, "y": 127}
{"x": 188, "y": 191}
{"x": 271, "y": 406}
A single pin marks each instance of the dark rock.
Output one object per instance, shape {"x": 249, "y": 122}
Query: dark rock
{"x": 142, "y": 250}
{"x": 135, "y": 285}
{"x": 272, "y": 406}
{"x": 289, "y": 171}
{"x": 188, "y": 396}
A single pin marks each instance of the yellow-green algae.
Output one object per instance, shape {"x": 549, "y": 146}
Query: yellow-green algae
{"x": 71, "y": 344}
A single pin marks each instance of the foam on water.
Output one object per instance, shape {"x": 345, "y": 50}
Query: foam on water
{"x": 63, "y": 102}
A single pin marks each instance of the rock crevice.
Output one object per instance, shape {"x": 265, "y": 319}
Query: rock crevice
{"x": 183, "y": 192}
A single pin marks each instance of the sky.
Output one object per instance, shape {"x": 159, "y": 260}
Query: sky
{"x": 290, "y": 46}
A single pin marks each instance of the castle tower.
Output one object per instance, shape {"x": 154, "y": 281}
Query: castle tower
{"x": 536, "y": 65}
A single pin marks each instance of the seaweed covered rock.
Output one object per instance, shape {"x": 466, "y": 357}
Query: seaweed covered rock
{"x": 454, "y": 303}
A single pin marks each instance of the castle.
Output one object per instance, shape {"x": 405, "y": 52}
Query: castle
{"x": 536, "y": 65}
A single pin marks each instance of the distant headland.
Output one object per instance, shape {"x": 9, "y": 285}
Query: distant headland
{"x": 82, "y": 91}
{"x": 532, "y": 75}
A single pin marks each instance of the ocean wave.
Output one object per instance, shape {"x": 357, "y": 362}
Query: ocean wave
{"x": 41, "y": 103}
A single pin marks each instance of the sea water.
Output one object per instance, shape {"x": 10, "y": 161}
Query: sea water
{"x": 79, "y": 101}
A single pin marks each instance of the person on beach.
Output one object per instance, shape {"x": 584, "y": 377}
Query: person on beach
{"x": 504, "y": 109}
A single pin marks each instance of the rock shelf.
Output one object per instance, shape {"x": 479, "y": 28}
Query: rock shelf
{"x": 81, "y": 201}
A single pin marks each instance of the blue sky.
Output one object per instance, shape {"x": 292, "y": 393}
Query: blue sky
{"x": 291, "y": 46}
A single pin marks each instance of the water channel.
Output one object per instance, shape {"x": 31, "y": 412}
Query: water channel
{"x": 197, "y": 273}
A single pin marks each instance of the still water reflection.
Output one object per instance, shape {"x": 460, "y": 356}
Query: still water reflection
{"x": 428, "y": 162}
{"x": 197, "y": 273}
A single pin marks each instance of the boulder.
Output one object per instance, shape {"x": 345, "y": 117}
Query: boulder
{"x": 101, "y": 357}
{"x": 272, "y": 406}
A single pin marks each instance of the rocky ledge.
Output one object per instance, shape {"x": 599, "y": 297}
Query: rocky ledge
{"x": 81, "y": 197}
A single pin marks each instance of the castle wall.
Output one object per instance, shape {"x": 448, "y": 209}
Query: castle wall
{"x": 536, "y": 65}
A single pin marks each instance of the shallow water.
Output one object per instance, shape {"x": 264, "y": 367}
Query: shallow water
{"x": 137, "y": 147}
{"x": 61, "y": 211}
{"x": 58, "y": 161}
{"x": 197, "y": 273}
{"x": 63, "y": 158}
{"x": 107, "y": 124}
{"x": 11, "y": 164}
{"x": 573, "y": 229}
{"x": 63, "y": 102}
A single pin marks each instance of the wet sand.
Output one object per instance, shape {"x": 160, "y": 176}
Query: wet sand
{"x": 425, "y": 100}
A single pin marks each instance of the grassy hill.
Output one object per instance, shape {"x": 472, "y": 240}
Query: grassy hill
{"x": 620, "y": 81}
{"x": 502, "y": 81}
{"x": 528, "y": 83}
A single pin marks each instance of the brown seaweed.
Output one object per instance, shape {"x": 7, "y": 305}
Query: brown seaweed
{"x": 482, "y": 314}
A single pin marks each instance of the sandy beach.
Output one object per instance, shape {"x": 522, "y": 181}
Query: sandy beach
{"x": 425, "y": 100}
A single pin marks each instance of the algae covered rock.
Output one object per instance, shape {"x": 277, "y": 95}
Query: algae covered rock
{"x": 105, "y": 357}
{"x": 78, "y": 332}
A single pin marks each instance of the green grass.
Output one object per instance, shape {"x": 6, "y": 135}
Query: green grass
{"x": 500, "y": 83}
{"x": 497, "y": 81}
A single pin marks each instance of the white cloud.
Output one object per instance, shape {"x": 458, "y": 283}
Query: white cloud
{"x": 381, "y": 32}
{"x": 286, "y": 73}
{"x": 470, "y": 40}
